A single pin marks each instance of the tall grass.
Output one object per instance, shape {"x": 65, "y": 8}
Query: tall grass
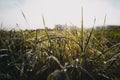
{"x": 46, "y": 55}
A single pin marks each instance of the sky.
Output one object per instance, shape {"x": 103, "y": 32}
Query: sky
{"x": 58, "y": 12}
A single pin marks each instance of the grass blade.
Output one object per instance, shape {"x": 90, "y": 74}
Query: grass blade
{"x": 89, "y": 37}
{"x": 25, "y": 18}
{"x": 82, "y": 30}
{"x": 103, "y": 27}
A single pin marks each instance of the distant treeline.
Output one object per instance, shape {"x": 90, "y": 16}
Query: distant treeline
{"x": 109, "y": 27}
{"x": 60, "y": 27}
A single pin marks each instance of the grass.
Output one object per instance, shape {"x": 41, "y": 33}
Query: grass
{"x": 46, "y": 55}
{"x": 39, "y": 54}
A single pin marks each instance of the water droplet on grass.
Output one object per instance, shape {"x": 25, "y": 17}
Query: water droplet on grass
{"x": 105, "y": 62}
{"x": 65, "y": 70}
{"x": 77, "y": 59}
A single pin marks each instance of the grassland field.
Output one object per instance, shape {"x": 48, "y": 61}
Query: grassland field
{"x": 60, "y": 54}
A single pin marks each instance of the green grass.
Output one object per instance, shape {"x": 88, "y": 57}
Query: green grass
{"x": 45, "y": 55}
{"x": 32, "y": 55}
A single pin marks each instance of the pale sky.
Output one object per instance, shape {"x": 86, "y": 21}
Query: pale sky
{"x": 58, "y": 12}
